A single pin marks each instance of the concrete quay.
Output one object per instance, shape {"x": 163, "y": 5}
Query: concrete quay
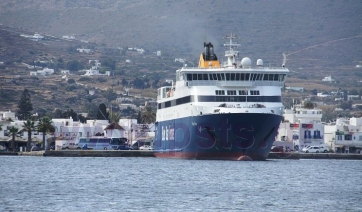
{"x": 3, "y": 153}
{"x": 90, "y": 153}
{"x": 297, "y": 156}
{"x": 147, "y": 153}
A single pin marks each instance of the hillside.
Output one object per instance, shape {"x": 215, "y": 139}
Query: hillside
{"x": 314, "y": 34}
{"x": 319, "y": 38}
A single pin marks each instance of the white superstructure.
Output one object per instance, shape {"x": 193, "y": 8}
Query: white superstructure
{"x": 233, "y": 87}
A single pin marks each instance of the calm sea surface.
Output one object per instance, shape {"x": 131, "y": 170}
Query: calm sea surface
{"x": 152, "y": 184}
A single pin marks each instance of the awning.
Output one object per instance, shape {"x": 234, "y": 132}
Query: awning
{"x": 17, "y": 140}
{"x": 4, "y": 139}
{"x": 37, "y": 140}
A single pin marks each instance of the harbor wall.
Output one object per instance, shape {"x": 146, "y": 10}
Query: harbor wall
{"x": 146, "y": 153}
{"x": 90, "y": 153}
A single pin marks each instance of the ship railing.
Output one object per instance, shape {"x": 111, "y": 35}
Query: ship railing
{"x": 234, "y": 83}
{"x": 224, "y": 64}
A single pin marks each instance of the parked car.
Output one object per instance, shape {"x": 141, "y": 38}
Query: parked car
{"x": 313, "y": 149}
{"x": 277, "y": 149}
{"x": 146, "y": 147}
{"x": 135, "y": 147}
{"x": 69, "y": 146}
{"x": 323, "y": 149}
{"x": 305, "y": 148}
{"x": 52, "y": 147}
{"x": 34, "y": 148}
{"x": 124, "y": 147}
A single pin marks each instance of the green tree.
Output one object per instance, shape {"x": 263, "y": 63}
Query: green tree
{"x": 148, "y": 116}
{"x": 102, "y": 113}
{"x": 139, "y": 117}
{"x": 124, "y": 82}
{"x": 29, "y": 126}
{"x": 155, "y": 83}
{"x": 110, "y": 94}
{"x": 308, "y": 105}
{"x": 74, "y": 65}
{"x": 138, "y": 83}
{"x": 91, "y": 109}
{"x": 13, "y": 131}
{"x": 70, "y": 113}
{"x": 110, "y": 63}
{"x": 25, "y": 106}
{"x": 353, "y": 92}
{"x": 345, "y": 105}
{"x": 45, "y": 126}
{"x": 81, "y": 118}
{"x": 57, "y": 113}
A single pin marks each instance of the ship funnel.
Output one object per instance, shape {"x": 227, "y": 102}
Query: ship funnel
{"x": 211, "y": 51}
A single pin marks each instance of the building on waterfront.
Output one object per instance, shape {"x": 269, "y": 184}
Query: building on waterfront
{"x": 8, "y": 120}
{"x": 69, "y": 131}
{"x": 301, "y": 127}
{"x": 344, "y": 135}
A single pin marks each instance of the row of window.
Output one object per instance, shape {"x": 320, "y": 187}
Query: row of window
{"x": 234, "y": 92}
{"x": 188, "y": 99}
{"x": 235, "y": 77}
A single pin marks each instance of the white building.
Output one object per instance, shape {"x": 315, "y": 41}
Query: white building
{"x": 94, "y": 70}
{"x": 328, "y": 79}
{"x": 125, "y": 106}
{"x": 352, "y": 97}
{"x": 84, "y": 50}
{"x": 64, "y": 71}
{"x": 345, "y": 135}
{"x": 69, "y": 131}
{"x": 7, "y": 115}
{"x": 44, "y": 72}
{"x": 301, "y": 127}
{"x": 323, "y": 94}
{"x": 22, "y": 137}
{"x": 300, "y": 89}
{"x": 68, "y": 37}
{"x": 180, "y": 60}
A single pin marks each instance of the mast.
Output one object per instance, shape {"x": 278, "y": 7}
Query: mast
{"x": 231, "y": 52}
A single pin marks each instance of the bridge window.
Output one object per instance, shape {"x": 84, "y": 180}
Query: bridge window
{"x": 194, "y": 76}
{"x": 254, "y": 93}
{"x": 231, "y": 92}
{"x": 205, "y": 77}
{"x": 219, "y": 92}
{"x": 260, "y": 77}
{"x": 243, "y": 92}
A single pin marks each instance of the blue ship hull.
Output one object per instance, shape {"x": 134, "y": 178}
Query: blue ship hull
{"x": 218, "y": 136}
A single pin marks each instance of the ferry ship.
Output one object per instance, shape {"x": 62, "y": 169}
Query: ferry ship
{"x": 220, "y": 111}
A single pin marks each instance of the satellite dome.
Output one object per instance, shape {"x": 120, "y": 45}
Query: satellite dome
{"x": 259, "y": 62}
{"x": 246, "y": 62}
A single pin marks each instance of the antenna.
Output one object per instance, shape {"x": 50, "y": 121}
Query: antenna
{"x": 284, "y": 59}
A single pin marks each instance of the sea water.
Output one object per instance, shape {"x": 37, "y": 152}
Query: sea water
{"x": 153, "y": 184}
